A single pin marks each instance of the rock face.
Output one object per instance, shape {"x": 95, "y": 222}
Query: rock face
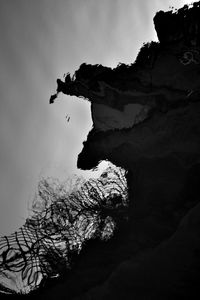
{"x": 147, "y": 119}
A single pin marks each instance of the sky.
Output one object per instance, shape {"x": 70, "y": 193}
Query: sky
{"x": 40, "y": 41}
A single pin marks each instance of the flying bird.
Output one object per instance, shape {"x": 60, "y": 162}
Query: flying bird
{"x": 68, "y": 118}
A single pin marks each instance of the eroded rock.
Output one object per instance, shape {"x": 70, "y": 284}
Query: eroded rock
{"x": 146, "y": 118}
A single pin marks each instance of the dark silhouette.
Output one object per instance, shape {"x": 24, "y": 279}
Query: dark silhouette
{"x": 61, "y": 225}
{"x": 155, "y": 251}
{"x": 162, "y": 152}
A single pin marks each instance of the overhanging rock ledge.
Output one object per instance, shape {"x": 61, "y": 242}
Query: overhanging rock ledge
{"x": 146, "y": 119}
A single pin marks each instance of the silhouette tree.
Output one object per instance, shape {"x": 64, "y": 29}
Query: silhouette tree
{"x": 63, "y": 219}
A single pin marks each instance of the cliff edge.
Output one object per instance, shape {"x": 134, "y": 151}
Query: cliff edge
{"x": 146, "y": 119}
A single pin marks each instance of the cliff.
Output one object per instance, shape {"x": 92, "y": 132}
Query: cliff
{"x": 134, "y": 231}
{"x": 146, "y": 119}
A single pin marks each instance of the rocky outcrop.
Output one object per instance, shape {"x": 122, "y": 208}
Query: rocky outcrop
{"x": 146, "y": 118}
{"x": 182, "y": 26}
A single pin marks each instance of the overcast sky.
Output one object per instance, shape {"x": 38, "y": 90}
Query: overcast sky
{"x": 40, "y": 41}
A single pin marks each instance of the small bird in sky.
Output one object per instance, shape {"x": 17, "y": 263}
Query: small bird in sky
{"x": 68, "y": 118}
